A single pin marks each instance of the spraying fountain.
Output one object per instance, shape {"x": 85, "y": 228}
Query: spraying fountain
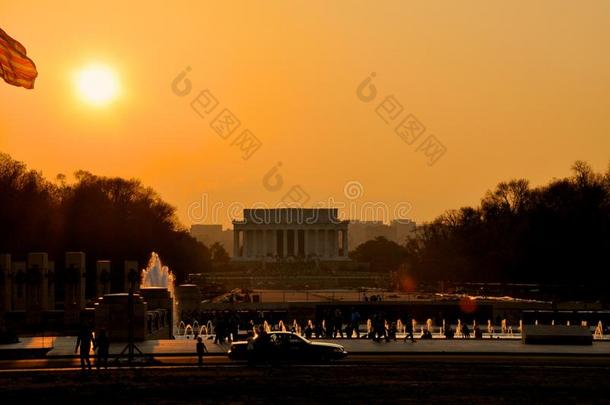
{"x": 599, "y": 330}
{"x": 400, "y": 328}
{"x": 157, "y": 288}
{"x": 156, "y": 275}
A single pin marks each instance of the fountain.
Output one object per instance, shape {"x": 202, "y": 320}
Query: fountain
{"x": 296, "y": 328}
{"x": 157, "y": 287}
{"x": 188, "y": 331}
{"x": 458, "y": 328}
{"x": 429, "y": 325}
{"x": 599, "y": 330}
{"x": 157, "y": 275}
{"x": 490, "y": 328}
{"x": 400, "y": 328}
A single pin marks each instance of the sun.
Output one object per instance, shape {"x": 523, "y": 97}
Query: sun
{"x": 97, "y": 84}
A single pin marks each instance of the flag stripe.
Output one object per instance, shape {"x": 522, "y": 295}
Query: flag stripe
{"x": 15, "y": 67}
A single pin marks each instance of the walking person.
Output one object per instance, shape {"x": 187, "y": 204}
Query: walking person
{"x": 84, "y": 341}
{"x": 409, "y": 329}
{"x": 201, "y": 349}
{"x": 102, "y": 344}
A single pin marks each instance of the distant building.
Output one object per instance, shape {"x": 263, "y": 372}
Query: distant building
{"x": 362, "y": 231}
{"x": 210, "y": 234}
{"x": 290, "y": 233}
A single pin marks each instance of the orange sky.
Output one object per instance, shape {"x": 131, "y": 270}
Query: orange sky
{"x": 519, "y": 89}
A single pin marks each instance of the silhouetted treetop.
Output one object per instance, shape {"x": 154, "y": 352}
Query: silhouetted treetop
{"x": 108, "y": 218}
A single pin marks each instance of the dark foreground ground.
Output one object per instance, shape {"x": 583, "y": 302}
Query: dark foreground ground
{"x": 422, "y": 379}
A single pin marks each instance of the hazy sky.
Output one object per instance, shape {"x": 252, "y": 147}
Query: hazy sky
{"x": 511, "y": 89}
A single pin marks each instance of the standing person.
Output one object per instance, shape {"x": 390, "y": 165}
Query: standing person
{"x": 409, "y": 329}
{"x": 103, "y": 345}
{"x": 201, "y": 349}
{"x": 84, "y": 341}
{"x": 338, "y": 323}
{"x": 355, "y": 322}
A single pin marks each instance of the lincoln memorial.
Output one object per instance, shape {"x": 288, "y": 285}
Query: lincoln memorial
{"x": 290, "y": 232}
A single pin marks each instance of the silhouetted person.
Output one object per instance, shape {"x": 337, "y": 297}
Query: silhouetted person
{"x": 201, "y": 349}
{"x": 426, "y": 334}
{"x": 308, "y": 331}
{"x": 102, "y": 344}
{"x": 409, "y": 329}
{"x": 355, "y": 323}
{"x": 392, "y": 331}
{"x": 465, "y": 332}
{"x": 84, "y": 341}
{"x": 338, "y": 323}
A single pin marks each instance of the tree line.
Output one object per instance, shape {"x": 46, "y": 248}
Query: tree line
{"x": 558, "y": 233}
{"x": 105, "y": 217}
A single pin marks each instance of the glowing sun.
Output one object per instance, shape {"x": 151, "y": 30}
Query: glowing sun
{"x": 97, "y": 84}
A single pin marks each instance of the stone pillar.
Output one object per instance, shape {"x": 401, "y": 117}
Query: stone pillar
{"x": 5, "y": 284}
{"x": 345, "y": 243}
{"x": 285, "y": 247}
{"x": 235, "y": 242}
{"x": 244, "y": 243}
{"x": 51, "y": 286}
{"x": 295, "y": 242}
{"x": 247, "y": 243}
{"x": 261, "y": 243}
{"x": 75, "y": 287}
{"x": 102, "y": 277}
{"x": 334, "y": 242}
{"x": 254, "y": 243}
{"x": 18, "y": 285}
{"x": 131, "y": 274}
{"x": 37, "y": 283}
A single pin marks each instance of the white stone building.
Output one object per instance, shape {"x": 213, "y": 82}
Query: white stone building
{"x": 290, "y": 232}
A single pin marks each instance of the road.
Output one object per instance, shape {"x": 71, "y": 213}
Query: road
{"x": 73, "y": 364}
{"x": 371, "y": 378}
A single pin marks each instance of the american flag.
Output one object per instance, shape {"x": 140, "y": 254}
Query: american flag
{"x": 15, "y": 67}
